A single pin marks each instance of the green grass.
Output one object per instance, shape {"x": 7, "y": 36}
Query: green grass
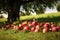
{"x": 43, "y": 17}
{"x": 2, "y": 21}
{"x": 51, "y": 15}
{"x": 10, "y": 35}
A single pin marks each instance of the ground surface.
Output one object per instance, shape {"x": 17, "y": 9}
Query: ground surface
{"x": 11, "y": 35}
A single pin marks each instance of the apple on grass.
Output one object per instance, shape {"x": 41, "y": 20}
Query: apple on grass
{"x": 54, "y": 29}
{"x": 12, "y": 25}
{"x": 45, "y": 30}
{"x": 15, "y": 28}
{"x": 34, "y": 23}
{"x": 46, "y": 25}
{"x": 58, "y": 28}
{"x": 8, "y": 26}
{"x": 19, "y": 28}
{"x": 52, "y": 25}
{"x": 37, "y": 30}
{"x": 30, "y": 25}
{"x": 24, "y": 24}
{"x": 41, "y": 24}
{"x": 37, "y": 26}
{"x": 33, "y": 28}
{"x": 26, "y": 28}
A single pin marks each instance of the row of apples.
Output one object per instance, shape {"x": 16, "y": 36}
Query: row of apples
{"x": 33, "y": 26}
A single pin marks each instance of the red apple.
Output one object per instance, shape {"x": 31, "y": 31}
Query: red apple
{"x": 34, "y": 23}
{"x": 58, "y": 28}
{"x": 20, "y": 25}
{"x": 37, "y": 30}
{"x": 38, "y": 27}
{"x": 30, "y": 25}
{"x": 33, "y": 28}
{"x": 12, "y": 25}
{"x": 24, "y": 24}
{"x": 41, "y": 24}
{"x": 54, "y": 29}
{"x": 26, "y": 28}
{"x": 19, "y": 28}
{"x": 45, "y": 30}
{"x": 7, "y": 26}
{"x": 53, "y": 25}
{"x": 46, "y": 25}
{"x": 15, "y": 28}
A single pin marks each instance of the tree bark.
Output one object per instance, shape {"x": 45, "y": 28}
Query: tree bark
{"x": 13, "y": 10}
{"x": 13, "y": 16}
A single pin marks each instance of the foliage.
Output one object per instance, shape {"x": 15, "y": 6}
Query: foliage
{"x": 58, "y": 6}
{"x": 22, "y": 14}
{"x": 39, "y": 5}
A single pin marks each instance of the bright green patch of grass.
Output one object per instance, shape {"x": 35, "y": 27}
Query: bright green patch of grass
{"x": 51, "y": 15}
{"x": 3, "y": 19}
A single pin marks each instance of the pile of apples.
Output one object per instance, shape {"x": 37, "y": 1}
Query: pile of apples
{"x": 33, "y": 26}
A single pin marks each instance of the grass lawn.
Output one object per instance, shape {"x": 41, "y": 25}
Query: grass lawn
{"x": 11, "y": 35}
{"x": 52, "y": 17}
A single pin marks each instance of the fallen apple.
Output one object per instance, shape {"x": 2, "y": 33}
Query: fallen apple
{"x": 45, "y": 30}
{"x": 54, "y": 29}
{"x": 33, "y": 28}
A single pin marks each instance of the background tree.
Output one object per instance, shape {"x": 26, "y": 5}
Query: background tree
{"x": 13, "y": 6}
{"x": 58, "y": 6}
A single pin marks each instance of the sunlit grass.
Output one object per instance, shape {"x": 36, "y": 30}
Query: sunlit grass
{"x": 51, "y": 15}
{"x": 3, "y": 19}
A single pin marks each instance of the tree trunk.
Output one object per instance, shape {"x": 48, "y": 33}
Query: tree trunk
{"x": 13, "y": 14}
{"x": 13, "y": 10}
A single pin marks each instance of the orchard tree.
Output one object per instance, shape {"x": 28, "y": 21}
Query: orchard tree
{"x": 13, "y": 6}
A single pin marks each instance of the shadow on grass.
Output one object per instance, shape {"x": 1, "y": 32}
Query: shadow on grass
{"x": 54, "y": 19}
{"x": 48, "y": 19}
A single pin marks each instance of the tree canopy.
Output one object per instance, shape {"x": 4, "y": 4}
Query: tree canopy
{"x": 13, "y": 6}
{"x": 6, "y": 4}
